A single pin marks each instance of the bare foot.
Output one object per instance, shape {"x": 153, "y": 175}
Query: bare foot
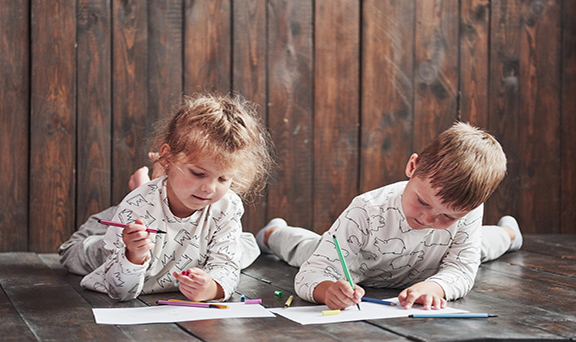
{"x": 157, "y": 169}
{"x": 267, "y": 235}
{"x": 138, "y": 178}
{"x": 510, "y": 232}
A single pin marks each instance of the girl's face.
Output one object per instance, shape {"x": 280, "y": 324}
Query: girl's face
{"x": 191, "y": 187}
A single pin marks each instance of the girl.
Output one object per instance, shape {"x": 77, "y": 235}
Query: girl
{"x": 214, "y": 150}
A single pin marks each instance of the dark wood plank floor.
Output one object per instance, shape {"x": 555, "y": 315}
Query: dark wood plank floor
{"x": 533, "y": 291}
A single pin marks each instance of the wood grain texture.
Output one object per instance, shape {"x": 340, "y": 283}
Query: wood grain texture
{"x": 504, "y": 95}
{"x": 291, "y": 108}
{"x": 94, "y": 104}
{"x": 52, "y": 124}
{"x": 207, "y": 46}
{"x": 15, "y": 118}
{"x": 568, "y": 119}
{"x": 436, "y": 69}
{"x": 249, "y": 64}
{"x": 165, "y": 63}
{"x": 130, "y": 118}
{"x": 387, "y": 92}
{"x": 336, "y": 109}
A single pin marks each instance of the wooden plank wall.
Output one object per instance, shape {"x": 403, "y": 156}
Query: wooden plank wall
{"x": 349, "y": 89}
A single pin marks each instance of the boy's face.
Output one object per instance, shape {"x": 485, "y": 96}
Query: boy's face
{"x": 423, "y": 209}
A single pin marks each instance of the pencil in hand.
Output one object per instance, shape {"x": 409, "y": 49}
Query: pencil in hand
{"x": 123, "y": 225}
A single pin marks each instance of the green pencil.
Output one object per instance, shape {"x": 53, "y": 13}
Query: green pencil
{"x": 344, "y": 266}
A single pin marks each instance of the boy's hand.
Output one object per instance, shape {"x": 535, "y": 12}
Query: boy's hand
{"x": 428, "y": 293}
{"x": 137, "y": 241}
{"x": 338, "y": 295}
{"x": 196, "y": 284}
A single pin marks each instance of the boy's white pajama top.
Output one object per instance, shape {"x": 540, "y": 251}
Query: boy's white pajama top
{"x": 381, "y": 250}
{"x": 209, "y": 239}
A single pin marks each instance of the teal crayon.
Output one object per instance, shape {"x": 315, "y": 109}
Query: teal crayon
{"x": 344, "y": 266}
{"x": 462, "y": 315}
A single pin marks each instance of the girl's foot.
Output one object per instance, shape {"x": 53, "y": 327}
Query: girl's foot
{"x": 138, "y": 178}
{"x": 264, "y": 234}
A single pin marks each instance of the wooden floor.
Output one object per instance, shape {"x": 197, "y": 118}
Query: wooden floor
{"x": 533, "y": 291}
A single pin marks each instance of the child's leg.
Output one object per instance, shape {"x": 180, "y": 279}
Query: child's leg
{"x": 250, "y": 250}
{"x": 500, "y": 239}
{"x": 84, "y": 251}
{"x": 291, "y": 244}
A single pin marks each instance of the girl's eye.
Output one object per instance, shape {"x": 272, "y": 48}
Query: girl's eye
{"x": 197, "y": 174}
{"x": 223, "y": 180}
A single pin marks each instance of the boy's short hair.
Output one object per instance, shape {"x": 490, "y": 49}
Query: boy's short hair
{"x": 465, "y": 164}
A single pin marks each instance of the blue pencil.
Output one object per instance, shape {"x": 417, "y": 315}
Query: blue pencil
{"x": 378, "y": 301}
{"x": 462, "y": 315}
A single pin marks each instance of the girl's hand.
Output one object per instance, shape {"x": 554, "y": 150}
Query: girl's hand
{"x": 428, "y": 293}
{"x": 196, "y": 284}
{"x": 338, "y": 295}
{"x": 137, "y": 241}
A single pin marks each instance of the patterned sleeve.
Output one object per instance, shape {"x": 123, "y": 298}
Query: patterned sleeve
{"x": 460, "y": 265}
{"x": 224, "y": 248}
{"x": 118, "y": 277}
{"x": 324, "y": 264}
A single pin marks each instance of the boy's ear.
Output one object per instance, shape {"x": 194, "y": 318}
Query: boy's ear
{"x": 411, "y": 165}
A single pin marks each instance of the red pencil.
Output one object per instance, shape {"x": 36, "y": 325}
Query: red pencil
{"x": 122, "y": 225}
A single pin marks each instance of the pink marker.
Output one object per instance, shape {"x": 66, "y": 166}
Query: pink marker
{"x": 253, "y": 301}
{"x": 122, "y": 225}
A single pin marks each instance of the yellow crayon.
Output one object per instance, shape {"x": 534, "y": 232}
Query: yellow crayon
{"x": 330, "y": 312}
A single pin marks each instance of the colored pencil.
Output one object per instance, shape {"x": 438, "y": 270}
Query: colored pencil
{"x": 378, "y": 301}
{"x": 462, "y": 315}
{"x": 123, "y": 225}
{"x": 192, "y": 304}
{"x": 344, "y": 266}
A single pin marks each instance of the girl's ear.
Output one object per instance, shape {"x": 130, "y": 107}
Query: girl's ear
{"x": 164, "y": 153}
{"x": 411, "y": 165}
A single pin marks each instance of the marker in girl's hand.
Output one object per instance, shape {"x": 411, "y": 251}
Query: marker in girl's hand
{"x": 123, "y": 225}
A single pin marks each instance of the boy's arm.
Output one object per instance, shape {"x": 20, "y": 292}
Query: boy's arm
{"x": 324, "y": 264}
{"x": 459, "y": 267}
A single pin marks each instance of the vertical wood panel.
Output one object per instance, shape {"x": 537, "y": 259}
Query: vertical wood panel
{"x": 387, "y": 91}
{"x": 539, "y": 124}
{"x": 14, "y": 116}
{"x": 249, "y": 76}
{"x": 130, "y": 92}
{"x": 568, "y": 119}
{"x": 290, "y": 112}
{"x": 336, "y": 110}
{"x": 207, "y": 46}
{"x": 94, "y": 108}
{"x": 165, "y": 64}
{"x": 53, "y": 124}
{"x": 436, "y": 82}
{"x": 504, "y": 96}
{"x": 474, "y": 75}
{"x": 474, "y": 61}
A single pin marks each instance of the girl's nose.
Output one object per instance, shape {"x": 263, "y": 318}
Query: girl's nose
{"x": 209, "y": 186}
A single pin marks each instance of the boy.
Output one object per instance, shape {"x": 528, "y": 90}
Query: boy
{"x": 423, "y": 234}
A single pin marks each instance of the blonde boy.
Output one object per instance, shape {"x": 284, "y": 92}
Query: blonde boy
{"x": 422, "y": 235}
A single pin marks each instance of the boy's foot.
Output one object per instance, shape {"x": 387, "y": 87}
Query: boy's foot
{"x": 511, "y": 225}
{"x": 138, "y": 178}
{"x": 264, "y": 234}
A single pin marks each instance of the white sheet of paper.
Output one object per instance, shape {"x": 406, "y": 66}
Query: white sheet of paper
{"x": 170, "y": 314}
{"x": 313, "y": 314}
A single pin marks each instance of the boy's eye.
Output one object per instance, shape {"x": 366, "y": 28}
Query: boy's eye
{"x": 422, "y": 202}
